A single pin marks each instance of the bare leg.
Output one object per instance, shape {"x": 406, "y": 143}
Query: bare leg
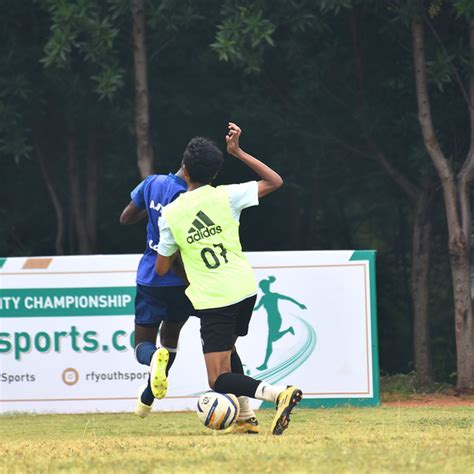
{"x": 217, "y": 363}
{"x": 169, "y": 337}
{"x": 169, "y": 333}
{"x": 145, "y": 334}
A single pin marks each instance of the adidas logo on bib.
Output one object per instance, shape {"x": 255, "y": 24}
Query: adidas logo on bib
{"x": 202, "y": 227}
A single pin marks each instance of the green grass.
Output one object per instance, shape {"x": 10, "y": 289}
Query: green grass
{"x": 343, "y": 440}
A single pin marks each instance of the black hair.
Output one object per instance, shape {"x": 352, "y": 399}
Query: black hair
{"x": 202, "y": 159}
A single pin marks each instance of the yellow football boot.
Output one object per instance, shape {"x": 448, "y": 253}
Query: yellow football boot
{"x": 158, "y": 380}
{"x": 287, "y": 400}
{"x": 248, "y": 426}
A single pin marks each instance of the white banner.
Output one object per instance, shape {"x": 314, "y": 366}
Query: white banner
{"x": 66, "y": 335}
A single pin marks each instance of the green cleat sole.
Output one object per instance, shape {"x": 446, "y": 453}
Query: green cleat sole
{"x": 158, "y": 380}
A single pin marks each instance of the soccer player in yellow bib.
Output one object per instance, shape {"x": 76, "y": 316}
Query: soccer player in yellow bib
{"x": 203, "y": 224}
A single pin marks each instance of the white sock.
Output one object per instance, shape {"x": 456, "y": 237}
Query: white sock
{"x": 268, "y": 392}
{"x": 246, "y": 411}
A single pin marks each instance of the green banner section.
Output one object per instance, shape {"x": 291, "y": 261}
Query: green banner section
{"x": 2, "y": 262}
{"x": 63, "y": 302}
{"x": 369, "y": 255}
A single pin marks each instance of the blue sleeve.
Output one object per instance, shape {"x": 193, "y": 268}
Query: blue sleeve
{"x": 137, "y": 194}
{"x": 181, "y": 191}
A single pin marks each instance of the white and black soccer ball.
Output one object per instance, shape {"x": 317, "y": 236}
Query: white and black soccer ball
{"x": 217, "y": 411}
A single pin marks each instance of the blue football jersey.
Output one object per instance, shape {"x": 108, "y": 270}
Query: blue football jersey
{"x": 152, "y": 194}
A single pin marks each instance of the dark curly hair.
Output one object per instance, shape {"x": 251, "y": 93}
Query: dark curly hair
{"x": 202, "y": 159}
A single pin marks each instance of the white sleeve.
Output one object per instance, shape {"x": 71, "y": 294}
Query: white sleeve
{"x": 167, "y": 245}
{"x": 242, "y": 196}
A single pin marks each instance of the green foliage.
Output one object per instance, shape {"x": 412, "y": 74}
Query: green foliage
{"x": 400, "y": 385}
{"x": 334, "y": 6}
{"x": 109, "y": 80}
{"x": 84, "y": 28}
{"x": 170, "y": 17}
{"x": 464, "y": 8}
{"x": 16, "y": 145}
{"x": 403, "y": 11}
{"x": 14, "y": 93}
{"x": 242, "y": 36}
{"x": 300, "y": 110}
{"x": 440, "y": 69}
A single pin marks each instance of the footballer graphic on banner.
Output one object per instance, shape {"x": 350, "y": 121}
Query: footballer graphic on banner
{"x": 269, "y": 301}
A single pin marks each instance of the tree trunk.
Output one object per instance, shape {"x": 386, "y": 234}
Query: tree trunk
{"x": 58, "y": 208}
{"x": 421, "y": 251}
{"x": 79, "y": 220}
{"x": 458, "y": 212}
{"x": 91, "y": 191}
{"x": 142, "y": 120}
{"x": 463, "y": 325}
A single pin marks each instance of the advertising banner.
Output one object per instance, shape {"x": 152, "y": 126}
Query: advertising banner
{"x": 66, "y": 333}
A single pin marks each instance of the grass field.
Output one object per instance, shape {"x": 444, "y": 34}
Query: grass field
{"x": 352, "y": 440}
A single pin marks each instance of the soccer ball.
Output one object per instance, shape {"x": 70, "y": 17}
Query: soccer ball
{"x": 217, "y": 411}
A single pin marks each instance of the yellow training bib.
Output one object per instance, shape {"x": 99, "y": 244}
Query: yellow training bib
{"x": 208, "y": 237}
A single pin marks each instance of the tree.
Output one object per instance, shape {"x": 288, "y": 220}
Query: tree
{"x": 301, "y": 112}
{"x": 19, "y": 100}
{"x": 422, "y": 197}
{"x": 80, "y": 60}
{"x": 142, "y": 113}
{"x": 65, "y": 114}
{"x": 456, "y": 192}
{"x": 76, "y": 54}
{"x": 245, "y": 34}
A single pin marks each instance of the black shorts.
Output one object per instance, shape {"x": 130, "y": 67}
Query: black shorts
{"x": 163, "y": 303}
{"x": 220, "y": 326}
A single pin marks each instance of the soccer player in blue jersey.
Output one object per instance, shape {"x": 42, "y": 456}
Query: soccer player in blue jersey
{"x": 160, "y": 302}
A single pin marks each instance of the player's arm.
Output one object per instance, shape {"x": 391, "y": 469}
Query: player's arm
{"x": 136, "y": 210}
{"x": 132, "y": 214}
{"x": 178, "y": 267}
{"x": 167, "y": 248}
{"x": 270, "y": 181}
{"x": 163, "y": 263}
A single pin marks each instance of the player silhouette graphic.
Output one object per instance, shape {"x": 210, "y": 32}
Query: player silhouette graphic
{"x": 269, "y": 301}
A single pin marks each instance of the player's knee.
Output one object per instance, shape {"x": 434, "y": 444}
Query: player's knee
{"x": 169, "y": 334}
